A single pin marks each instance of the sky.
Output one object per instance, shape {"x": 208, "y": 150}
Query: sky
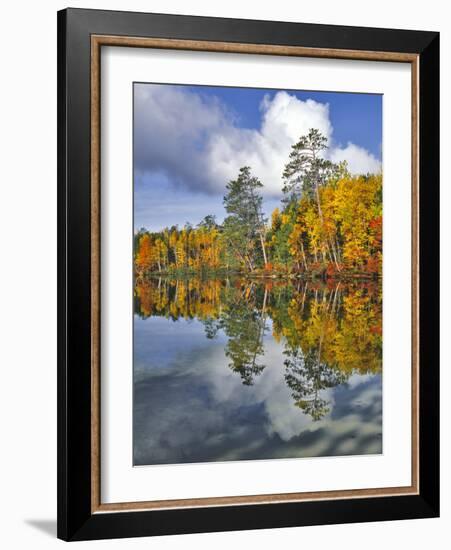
{"x": 189, "y": 141}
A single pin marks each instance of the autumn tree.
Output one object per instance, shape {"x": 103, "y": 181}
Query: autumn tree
{"x": 278, "y": 235}
{"x": 358, "y": 206}
{"x": 145, "y": 256}
{"x": 328, "y": 223}
{"x": 306, "y": 172}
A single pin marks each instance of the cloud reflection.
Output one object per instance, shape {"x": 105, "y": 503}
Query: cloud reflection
{"x": 228, "y": 420}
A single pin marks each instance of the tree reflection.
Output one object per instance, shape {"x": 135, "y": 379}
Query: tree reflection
{"x": 307, "y": 377}
{"x": 329, "y": 331}
{"x": 245, "y": 324}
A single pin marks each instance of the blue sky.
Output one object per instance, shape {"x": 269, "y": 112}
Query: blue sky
{"x": 189, "y": 141}
{"x": 355, "y": 117}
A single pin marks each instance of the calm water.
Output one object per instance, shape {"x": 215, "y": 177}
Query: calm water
{"x": 243, "y": 370}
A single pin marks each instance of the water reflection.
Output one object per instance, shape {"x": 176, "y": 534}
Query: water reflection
{"x": 307, "y": 356}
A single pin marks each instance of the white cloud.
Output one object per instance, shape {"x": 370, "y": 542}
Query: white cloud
{"x": 359, "y": 160}
{"x": 284, "y": 119}
{"x": 196, "y": 141}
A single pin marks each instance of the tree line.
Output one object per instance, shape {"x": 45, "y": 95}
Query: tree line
{"x": 328, "y": 223}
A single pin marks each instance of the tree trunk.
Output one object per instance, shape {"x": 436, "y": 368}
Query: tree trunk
{"x": 337, "y": 248}
{"x": 320, "y": 212}
{"x": 262, "y": 242}
{"x": 264, "y": 301}
{"x": 334, "y": 255}
{"x": 303, "y": 255}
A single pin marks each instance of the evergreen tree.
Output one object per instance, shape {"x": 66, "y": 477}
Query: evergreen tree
{"x": 244, "y": 203}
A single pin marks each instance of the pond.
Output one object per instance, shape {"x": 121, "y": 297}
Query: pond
{"x": 242, "y": 369}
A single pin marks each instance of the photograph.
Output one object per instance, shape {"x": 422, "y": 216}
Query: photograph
{"x": 257, "y": 272}
{"x": 248, "y": 271}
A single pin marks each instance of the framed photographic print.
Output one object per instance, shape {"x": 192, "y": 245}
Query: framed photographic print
{"x": 248, "y": 274}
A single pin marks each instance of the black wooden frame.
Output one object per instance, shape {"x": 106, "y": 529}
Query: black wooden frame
{"x": 75, "y": 520}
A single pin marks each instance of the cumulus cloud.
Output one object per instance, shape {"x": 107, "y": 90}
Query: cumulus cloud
{"x": 284, "y": 119}
{"x": 196, "y": 142}
{"x": 359, "y": 160}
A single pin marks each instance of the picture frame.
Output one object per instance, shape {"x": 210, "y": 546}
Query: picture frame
{"x": 81, "y": 36}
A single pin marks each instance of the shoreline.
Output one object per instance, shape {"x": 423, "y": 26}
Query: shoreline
{"x": 348, "y": 276}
